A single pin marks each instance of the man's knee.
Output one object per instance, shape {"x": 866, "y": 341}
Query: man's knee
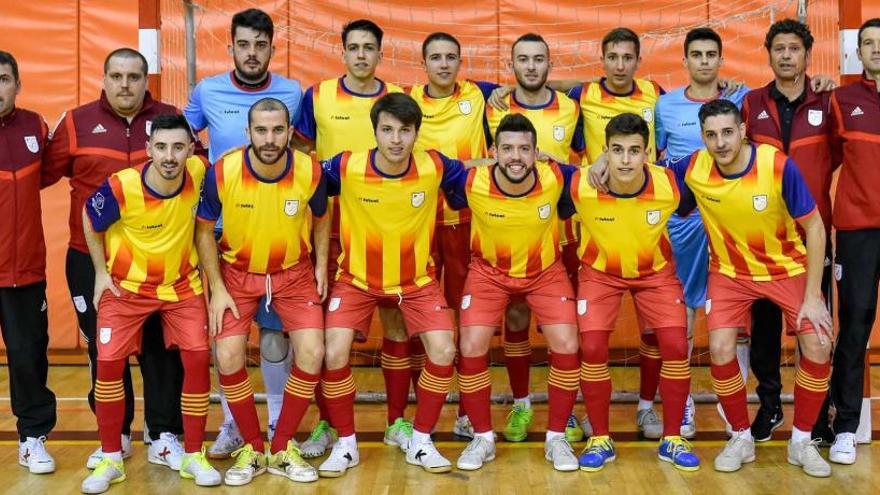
{"x": 274, "y": 347}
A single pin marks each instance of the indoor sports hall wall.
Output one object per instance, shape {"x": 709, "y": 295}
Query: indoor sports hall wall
{"x": 60, "y": 45}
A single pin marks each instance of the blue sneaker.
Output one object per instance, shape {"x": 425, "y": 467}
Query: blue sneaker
{"x": 598, "y": 452}
{"x": 679, "y": 452}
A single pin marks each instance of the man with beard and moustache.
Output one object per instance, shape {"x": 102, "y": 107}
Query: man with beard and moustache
{"x": 139, "y": 227}
{"x": 267, "y": 195}
{"x": 90, "y": 143}
{"x": 220, "y": 104}
{"x": 556, "y": 118}
{"x": 516, "y": 256}
{"x": 335, "y": 117}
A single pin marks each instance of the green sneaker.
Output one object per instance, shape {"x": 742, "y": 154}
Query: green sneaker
{"x": 399, "y": 433}
{"x": 290, "y": 463}
{"x": 518, "y": 421}
{"x": 573, "y": 431}
{"x": 248, "y": 465}
{"x": 322, "y": 438}
{"x": 195, "y": 466}
{"x": 106, "y": 473}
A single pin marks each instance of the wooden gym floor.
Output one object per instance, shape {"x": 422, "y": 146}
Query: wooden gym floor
{"x": 518, "y": 468}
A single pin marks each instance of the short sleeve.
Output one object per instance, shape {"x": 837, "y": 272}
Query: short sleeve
{"x": 209, "y": 204}
{"x": 679, "y": 167}
{"x": 565, "y": 207}
{"x": 318, "y": 202}
{"x": 797, "y": 196}
{"x": 332, "y": 175}
{"x": 193, "y": 111}
{"x": 453, "y": 183}
{"x": 305, "y": 124}
{"x": 102, "y": 207}
{"x": 486, "y": 88}
{"x": 576, "y": 92}
{"x": 659, "y": 130}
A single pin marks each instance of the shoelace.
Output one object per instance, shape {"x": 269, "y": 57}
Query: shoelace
{"x": 650, "y": 417}
{"x": 680, "y": 445}
{"x": 561, "y": 443}
{"x": 173, "y": 442}
{"x": 39, "y": 447}
{"x": 518, "y": 416}
{"x": 243, "y": 456}
{"x": 597, "y": 445}
{"x": 475, "y": 444}
{"x": 572, "y": 422}
{"x": 405, "y": 426}
{"x": 319, "y": 430}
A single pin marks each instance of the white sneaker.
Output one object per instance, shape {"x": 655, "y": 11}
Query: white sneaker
{"x": 228, "y": 441}
{"x": 147, "y": 439}
{"x": 195, "y": 466}
{"x": 649, "y": 424}
{"x": 559, "y": 452}
{"x": 463, "y": 428}
{"x": 688, "y": 421}
{"x": 106, "y": 473}
{"x": 843, "y": 450}
{"x": 32, "y": 454}
{"x": 322, "y": 438}
{"x": 478, "y": 452}
{"x": 425, "y": 454}
{"x": 289, "y": 463}
{"x": 98, "y": 454}
{"x": 739, "y": 450}
{"x": 727, "y": 427}
{"x": 166, "y": 451}
{"x": 806, "y": 454}
{"x": 341, "y": 458}
{"x": 248, "y": 465}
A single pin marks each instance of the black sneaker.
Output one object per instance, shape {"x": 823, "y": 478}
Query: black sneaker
{"x": 766, "y": 421}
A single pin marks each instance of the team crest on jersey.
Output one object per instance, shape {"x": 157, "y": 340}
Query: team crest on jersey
{"x": 104, "y": 335}
{"x": 465, "y": 107}
{"x": 653, "y": 217}
{"x": 648, "y": 114}
{"x": 148, "y": 126}
{"x": 759, "y": 201}
{"x": 559, "y": 133}
{"x": 814, "y": 117}
{"x": 544, "y": 211}
{"x": 32, "y": 144}
{"x": 291, "y": 207}
{"x": 418, "y": 199}
{"x": 79, "y": 302}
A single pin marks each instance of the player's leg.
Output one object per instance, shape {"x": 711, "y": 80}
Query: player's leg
{"x": 228, "y": 437}
{"x": 574, "y": 430}
{"x": 275, "y": 360}
{"x": 650, "y": 362}
{"x": 765, "y": 354}
{"x": 517, "y": 360}
{"x": 397, "y": 373}
{"x": 162, "y": 372}
{"x": 80, "y": 275}
{"x": 25, "y": 327}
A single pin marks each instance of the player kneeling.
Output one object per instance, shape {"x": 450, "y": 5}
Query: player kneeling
{"x": 515, "y": 255}
{"x": 139, "y": 228}
{"x": 625, "y": 247}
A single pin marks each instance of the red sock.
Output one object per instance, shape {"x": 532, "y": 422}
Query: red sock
{"x": 110, "y": 403}
{"x": 517, "y": 358}
{"x": 727, "y": 381}
{"x": 596, "y": 380}
{"x": 475, "y": 387}
{"x": 675, "y": 377}
{"x": 339, "y": 391}
{"x": 194, "y": 398}
{"x": 321, "y": 403}
{"x": 298, "y": 394}
{"x": 810, "y": 388}
{"x": 240, "y": 397}
{"x": 649, "y": 366}
{"x": 431, "y": 394}
{"x": 417, "y": 360}
{"x": 562, "y": 388}
{"x": 396, "y": 370}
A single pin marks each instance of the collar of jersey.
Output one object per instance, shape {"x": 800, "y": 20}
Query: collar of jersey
{"x": 637, "y": 193}
{"x": 507, "y": 194}
{"x": 362, "y": 95}
{"x": 383, "y": 174}
{"x": 612, "y": 93}
{"x": 247, "y": 163}
{"x": 745, "y": 171}
{"x": 155, "y": 193}
{"x": 534, "y": 107}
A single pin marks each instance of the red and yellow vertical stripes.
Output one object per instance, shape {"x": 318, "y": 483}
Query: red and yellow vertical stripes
{"x": 150, "y": 249}
{"x": 599, "y": 106}
{"x": 751, "y": 233}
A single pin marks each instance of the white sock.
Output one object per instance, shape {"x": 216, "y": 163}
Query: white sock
{"x": 747, "y": 434}
{"x": 227, "y": 414}
{"x": 551, "y": 435}
{"x": 275, "y": 378}
{"x": 742, "y": 357}
{"x": 349, "y": 441}
{"x": 419, "y": 438}
{"x": 526, "y": 401}
{"x": 645, "y": 404}
{"x": 800, "y": 435}
{"x": 488, "y": 436}
{"x": 114, "y": 456}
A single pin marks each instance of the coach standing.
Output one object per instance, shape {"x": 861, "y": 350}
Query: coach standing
{"x": 90, "y": 143}
{"x": 23, "y": 319}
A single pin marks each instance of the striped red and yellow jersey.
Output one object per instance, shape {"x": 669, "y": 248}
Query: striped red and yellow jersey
{"x": 148, "y": 238}
{"x": 625, "y": 235}
{"x": 750, "y": 218}
{"x": 454, "y": 126}
{"x": 599, "y": 105}
{"x": 266, "y": 223}
{"x": 557, "y": 124}
{"x": 387, "y": 222}
{"x": 518, "y": 235}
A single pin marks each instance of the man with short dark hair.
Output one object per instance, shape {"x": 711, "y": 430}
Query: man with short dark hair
{"x": 23, "y": 318}
{"x": 90, "y": 143}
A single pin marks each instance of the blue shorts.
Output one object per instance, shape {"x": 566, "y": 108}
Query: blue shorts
{"x": 268, "y": 319}
{"x": 690, "y": 247}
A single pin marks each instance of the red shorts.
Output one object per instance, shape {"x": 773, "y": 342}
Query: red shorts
{"x": 121, "y": 322}
{"x": 452, "y": 255}
{"x": 294, "y": 298}
{"x": 729, "y": 301}
{"x": 572, "y": 262}
{"x": 424, "y": 309}
{"x": 488, "y": 292}
{"x": 658, "y": 299}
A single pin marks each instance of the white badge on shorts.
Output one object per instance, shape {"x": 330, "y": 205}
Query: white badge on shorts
{"x": 104, "y": 335}
{"x": 708, "y": 305}
{"x": 464, "y": 107}
{"x": 814, "y": 117}
{"x": 465, "y": 301}
{"x": 334, "y": 303}
{"x": 582, "y": 307}
{"x": 653, "y": 217}
{"x": 291, "y": 206}
{"x": 418, "y": 199}
{"x": 759, "y": 201}
{"x": 838, "y": 271}
{"x": 79, "y": 302}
